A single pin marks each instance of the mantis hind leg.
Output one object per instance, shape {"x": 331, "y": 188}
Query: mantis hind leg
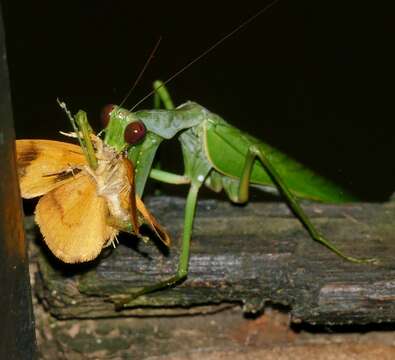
{"x": 182, "y": 270}
{"x": 255, "y": 151}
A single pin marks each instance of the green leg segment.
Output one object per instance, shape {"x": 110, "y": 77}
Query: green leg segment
{"x": 168, "y": 177}
{"x": 257, "y": 152}
{"x": 162, "y": 95}
{"x": 182, "y": 270}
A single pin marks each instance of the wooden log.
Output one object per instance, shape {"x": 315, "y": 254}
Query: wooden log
{"x": 251, "y": 255}
{"x": 17, "y": 336}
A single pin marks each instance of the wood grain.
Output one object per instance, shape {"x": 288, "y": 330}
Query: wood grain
{"x": 250, "y": 255}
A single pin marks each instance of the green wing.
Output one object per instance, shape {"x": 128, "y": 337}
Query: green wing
{"x": 227, "y": 146}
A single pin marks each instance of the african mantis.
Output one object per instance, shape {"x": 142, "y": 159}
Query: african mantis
{"x": 216, "y": 155}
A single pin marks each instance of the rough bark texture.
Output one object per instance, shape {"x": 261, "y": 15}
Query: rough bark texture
{"x": 250, "y": 255}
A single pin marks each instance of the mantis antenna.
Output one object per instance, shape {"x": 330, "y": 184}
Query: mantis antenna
{"x": 150, "y": 57}
{"x": 207, "y": 51}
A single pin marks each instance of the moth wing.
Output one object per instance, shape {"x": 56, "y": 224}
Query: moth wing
{"x": 43, "y": 165}
{"x": 73, "y": 220}
{"x": 159, "y": 230}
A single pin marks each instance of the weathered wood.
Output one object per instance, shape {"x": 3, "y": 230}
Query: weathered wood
{"x": 17, "y": 336}
{"x": 250, "y": 255}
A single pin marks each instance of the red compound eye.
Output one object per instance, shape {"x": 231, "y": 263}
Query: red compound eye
{"x": 105, "y": 114}
{"x": 134, "y": 132}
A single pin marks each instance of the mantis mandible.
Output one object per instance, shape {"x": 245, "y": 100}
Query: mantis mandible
{"x": 217, "y": 155}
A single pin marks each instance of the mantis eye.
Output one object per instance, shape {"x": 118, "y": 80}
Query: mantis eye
{"x": 105, "y": 114}
{"x": 134, "y": 132}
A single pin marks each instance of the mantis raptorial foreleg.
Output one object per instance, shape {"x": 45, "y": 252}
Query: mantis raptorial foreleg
{"x": 254, "y": 152}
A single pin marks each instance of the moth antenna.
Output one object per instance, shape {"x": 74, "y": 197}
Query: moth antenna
{"x": 207, "y": 51}
{"x": 140, "y": 75}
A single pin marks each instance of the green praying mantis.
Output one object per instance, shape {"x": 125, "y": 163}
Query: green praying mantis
{"x": 217, "y": 155}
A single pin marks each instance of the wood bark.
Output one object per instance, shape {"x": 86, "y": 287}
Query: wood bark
{"x": 250, "y": 255}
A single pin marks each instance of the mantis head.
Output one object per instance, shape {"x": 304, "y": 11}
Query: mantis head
{"x": 116, "y": 120}
{"x": 130, "y": 132}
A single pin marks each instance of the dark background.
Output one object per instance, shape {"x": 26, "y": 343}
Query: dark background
{"x": 313, "y": 78}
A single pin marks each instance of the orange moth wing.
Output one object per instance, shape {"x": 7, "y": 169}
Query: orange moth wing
{"x": 43, "y": 165}
{"x": 73, "y": 220}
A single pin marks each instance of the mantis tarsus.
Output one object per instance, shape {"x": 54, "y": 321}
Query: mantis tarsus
{"x": 218, "y": 155}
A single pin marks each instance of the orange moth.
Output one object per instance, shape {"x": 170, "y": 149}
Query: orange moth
{"x": 87, "y": 193}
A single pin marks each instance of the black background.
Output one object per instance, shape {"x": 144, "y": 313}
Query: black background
{"x": 313, "y": 78}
